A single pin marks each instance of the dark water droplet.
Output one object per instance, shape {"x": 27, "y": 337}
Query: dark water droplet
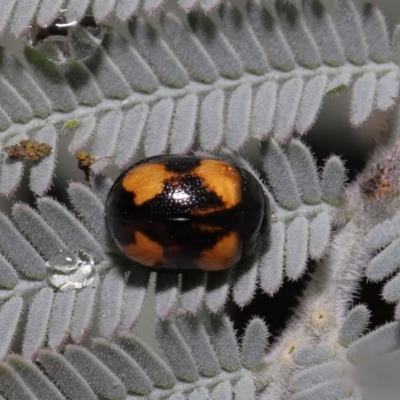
{"x": 66, "y": 40}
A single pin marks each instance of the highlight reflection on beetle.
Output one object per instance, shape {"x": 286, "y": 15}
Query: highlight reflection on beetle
{"x": 185, "y": 212}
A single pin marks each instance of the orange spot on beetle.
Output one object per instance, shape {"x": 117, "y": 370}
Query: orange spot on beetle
{"x": 145, "y": 251}
{"x": 146, "y": 181}
{"x": 223, "y": 255}
{"x": 223, "y": 179}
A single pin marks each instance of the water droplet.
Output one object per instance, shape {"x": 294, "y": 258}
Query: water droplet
{"x": 68, "y": 271}
{"x": 66, "y": 40}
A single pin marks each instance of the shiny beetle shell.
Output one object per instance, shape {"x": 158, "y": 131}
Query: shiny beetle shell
{"x": 185, "y": 212}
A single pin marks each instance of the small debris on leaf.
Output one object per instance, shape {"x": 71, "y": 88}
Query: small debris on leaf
{"x": 85, "y": 160}
{"x": 28, "y": 150}
{"x": 71, "y": 125}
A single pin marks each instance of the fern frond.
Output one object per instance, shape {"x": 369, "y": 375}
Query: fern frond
{"x": 377, "y": 355}
{"x": 303, "y": 211}
{"x": 265, "y": 76}
{"x": 19, "y": 15}
{"x": 260, "y": 73}
{"x": 300, "y": 228}
{"x": 323, "y": 368}
{"x": 302, "y": 214}
{"x": 195, "y": 365}
{"x": 383, "y": 243}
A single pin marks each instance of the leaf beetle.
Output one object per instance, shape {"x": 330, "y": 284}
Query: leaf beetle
{"x": 183, "y": 212}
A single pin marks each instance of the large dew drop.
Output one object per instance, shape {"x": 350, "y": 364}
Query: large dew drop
{"x": 64, "y": 40}
{"x": 68, "y": 271}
